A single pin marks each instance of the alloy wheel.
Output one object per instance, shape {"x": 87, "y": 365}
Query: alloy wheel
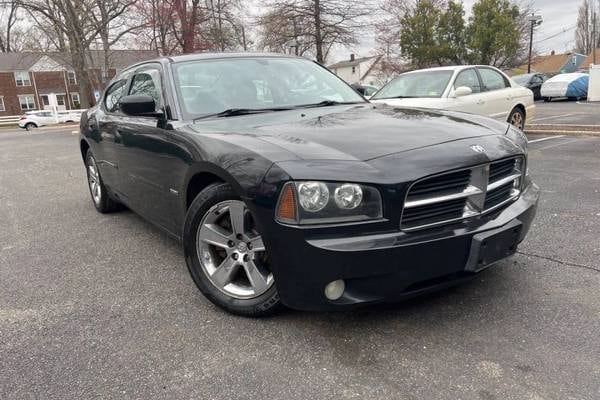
{"x": 231, "y": 251}
{"x": 94, "y": 181}
{"x": 517, "y": 120}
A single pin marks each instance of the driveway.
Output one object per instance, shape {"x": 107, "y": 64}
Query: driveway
{"x": 101, "y": 306}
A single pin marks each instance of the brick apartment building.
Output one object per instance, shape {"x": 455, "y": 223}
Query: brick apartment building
{"x": 37, "y": 81}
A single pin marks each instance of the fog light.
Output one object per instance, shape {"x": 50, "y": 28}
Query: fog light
{"x": 334, "y": 290}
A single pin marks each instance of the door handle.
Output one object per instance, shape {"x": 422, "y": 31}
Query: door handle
{"x": 480, "y": 102}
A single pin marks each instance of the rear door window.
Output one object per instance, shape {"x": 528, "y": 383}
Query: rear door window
{"x": 492, "y": 80}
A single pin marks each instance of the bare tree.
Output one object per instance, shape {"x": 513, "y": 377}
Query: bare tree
{"x": 111, "y": 28}
{"x": 314, "y": 26}
{"x": 76, "y": 30}
{"x": 8, "y": 19}
{"x": 584, "y": 32}
{"x": 186, "y": 26}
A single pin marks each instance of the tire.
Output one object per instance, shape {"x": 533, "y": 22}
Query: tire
{"x": 234, "y": 271}
{"x": 29, "y": 126}
{"x": 546, "y": 99}
{"x": 517, "y": 118}
{"x": 98, "y": 192}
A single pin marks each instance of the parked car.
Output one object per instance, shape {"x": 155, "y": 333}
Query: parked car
{"x": 286, "y": 187}
{"x": 477, "y": 89}
{"x": 532, "y": 82}
{"x": 68, "y": 116}
{"x": 36, "y": 119}
{"x": 574, "y": 86}
{"x": 366, "y": 90}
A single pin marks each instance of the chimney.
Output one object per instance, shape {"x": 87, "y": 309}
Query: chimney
{"x": 352, "y": 57}
{"x": 552, "y": 53}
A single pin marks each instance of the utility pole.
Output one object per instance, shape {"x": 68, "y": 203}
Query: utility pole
{"x": 535, "y": 20}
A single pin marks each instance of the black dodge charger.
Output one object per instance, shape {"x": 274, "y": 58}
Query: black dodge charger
{"x": 287, "y": 187}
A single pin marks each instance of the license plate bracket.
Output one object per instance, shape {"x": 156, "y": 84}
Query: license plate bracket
{"x": 491, "y": 246}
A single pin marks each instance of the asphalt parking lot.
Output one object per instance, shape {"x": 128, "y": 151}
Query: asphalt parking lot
{"x": 101, "y": 306}
{"x": 565, "y": 112}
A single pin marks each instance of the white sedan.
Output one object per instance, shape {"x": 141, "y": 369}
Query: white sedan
{"x": 475, "y": 89}
{"x": 35, "y": 119}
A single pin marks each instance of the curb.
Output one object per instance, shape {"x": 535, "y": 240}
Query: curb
{"x": 569, "y": 130}
{"x": 559, "y": 132}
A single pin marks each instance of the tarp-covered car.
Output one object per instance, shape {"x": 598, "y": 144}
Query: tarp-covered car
{"x": 574, "y": 86}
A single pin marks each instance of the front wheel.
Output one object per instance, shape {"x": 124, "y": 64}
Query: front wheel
{"x": 226, "y": 255}
{"x": 517, "y": 118}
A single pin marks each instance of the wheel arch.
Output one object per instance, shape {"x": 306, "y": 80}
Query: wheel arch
{"x": 83, "y": 147}
{"x": 201, "y": 175}
{"x": 520, "y": 106}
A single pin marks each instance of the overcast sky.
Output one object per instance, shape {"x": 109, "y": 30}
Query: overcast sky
{"x": 560, "y": 17}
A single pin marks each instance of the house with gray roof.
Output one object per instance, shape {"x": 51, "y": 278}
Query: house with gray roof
{"x": 38, "y": 81}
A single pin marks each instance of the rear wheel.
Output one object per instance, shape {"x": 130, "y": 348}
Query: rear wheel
{"x": 517, "y": 118}
{"x": 100, "y": 197}
{"x": 226, "y": 255}
{"x": 546, "y": 99}
{"x": 29, "y": 126}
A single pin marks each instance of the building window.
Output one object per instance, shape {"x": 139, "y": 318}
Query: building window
{"x": 27, "y": 102}
{"x": 60, "y": 100}
{"x": 2, "y": 104}
{"x": 71, "y": 78}
{"x": 22, "y": 78}
{"x": 45, "y": 99}
{"x": 75, "y": 100}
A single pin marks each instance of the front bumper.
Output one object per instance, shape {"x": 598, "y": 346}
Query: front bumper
{"x": 396, "y": 265}
{"x": 530, "y": 113}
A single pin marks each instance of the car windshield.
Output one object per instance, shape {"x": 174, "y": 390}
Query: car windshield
{"x": 416, "y": 84}
{"x": 522, "y": 79}
{"x": 224, "y": 86}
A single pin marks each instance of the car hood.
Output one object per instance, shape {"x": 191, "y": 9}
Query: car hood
{"x": 357, "y": 132}
{"x": 414, "y": 102}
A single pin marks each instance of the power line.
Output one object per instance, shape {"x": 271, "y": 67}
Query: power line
{"x": 556, "y": 34}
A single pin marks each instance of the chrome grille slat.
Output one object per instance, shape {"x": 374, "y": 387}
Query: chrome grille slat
{"x": 457, "y": 195}
{"x": 424, "y": 200}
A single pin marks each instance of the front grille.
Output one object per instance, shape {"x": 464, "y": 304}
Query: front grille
{"x": 456, "y": 181}
{"x": 456, "y": 195}
{"x": 502, "y": 169}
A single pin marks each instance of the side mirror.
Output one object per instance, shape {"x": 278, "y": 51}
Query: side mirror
{"x": 462, "y": 91}
{"x": 140, "y": 105}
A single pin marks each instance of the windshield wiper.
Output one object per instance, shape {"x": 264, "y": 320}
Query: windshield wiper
{"x": 327, "y": 103}
{"x": 396, "y": 97}
{"x": 233, "y": 112}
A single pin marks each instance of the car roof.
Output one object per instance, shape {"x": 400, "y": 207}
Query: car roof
{"x": 452, "y": 68}
{"x": 211, "y": 56}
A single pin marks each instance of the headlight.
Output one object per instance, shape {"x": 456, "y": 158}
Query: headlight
{"x": 517, "y": 137}
{"x": 348, "y": 196}
{"x": 314, "y": 202}
{"x": 313, "y": 196}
